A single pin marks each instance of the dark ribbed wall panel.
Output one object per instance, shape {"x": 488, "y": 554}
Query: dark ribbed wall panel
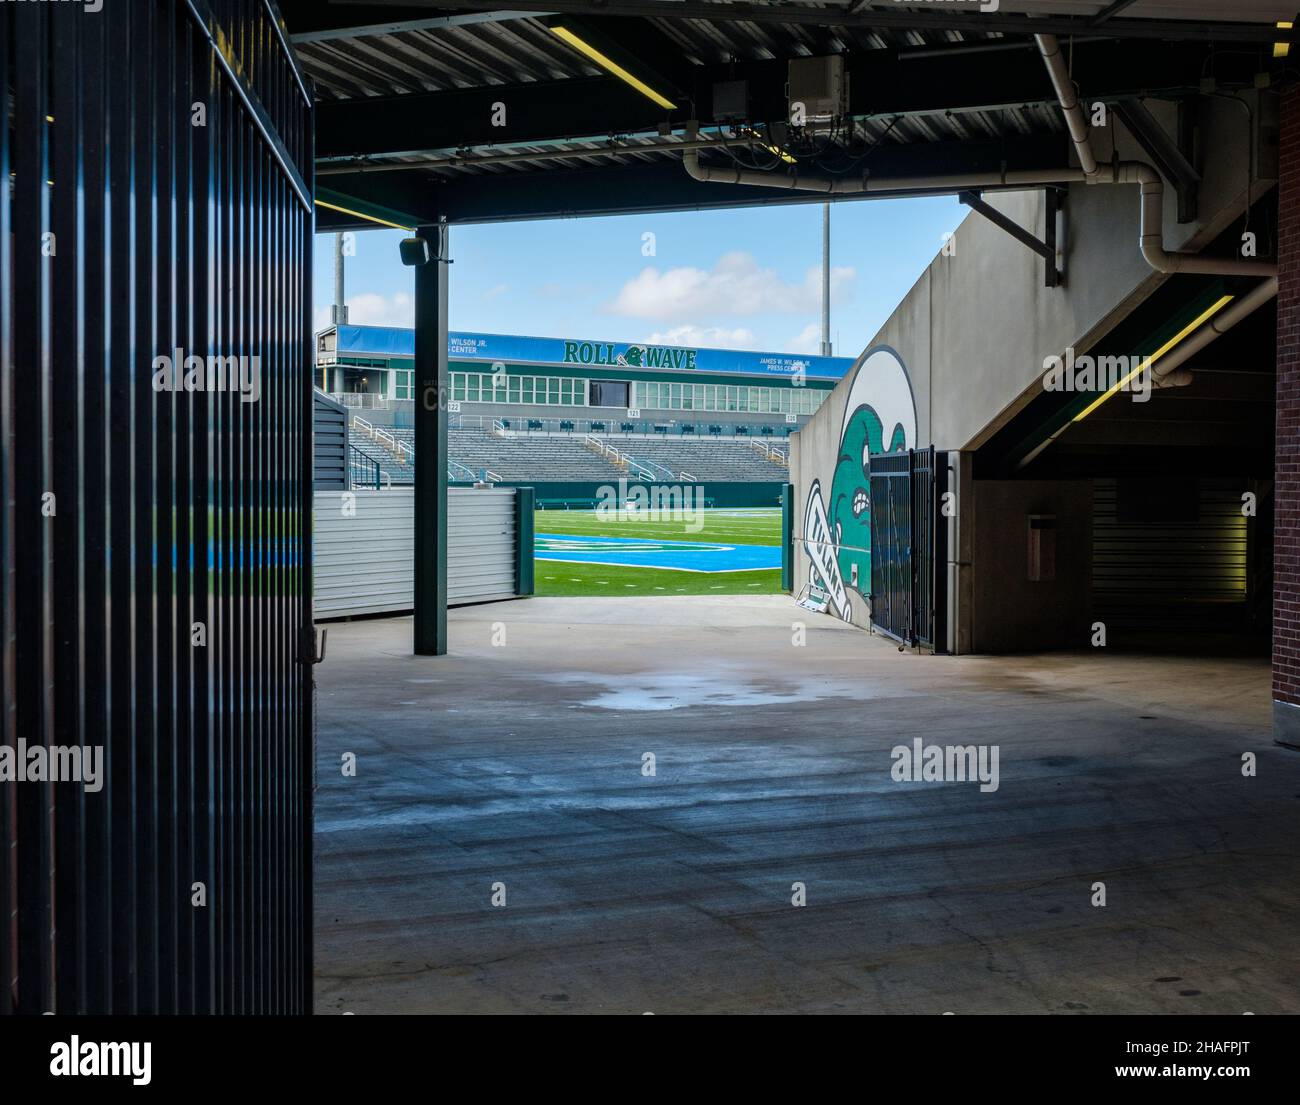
{"x": 129, "y": 513}
{"x": 1170, "y": 554}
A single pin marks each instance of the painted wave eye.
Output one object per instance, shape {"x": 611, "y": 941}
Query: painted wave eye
{"x": 860, "y": 503}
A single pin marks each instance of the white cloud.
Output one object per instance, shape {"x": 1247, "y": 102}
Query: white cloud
{"x": 808, "y": 340}
{"x": 493, "y": 292}
{"x": 711, "y": 337}
{"x": 372, "y": 309}
{"x": 735, "y": 286}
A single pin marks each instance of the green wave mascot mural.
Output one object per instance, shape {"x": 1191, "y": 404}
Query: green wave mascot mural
{"x": 879, "y": 417}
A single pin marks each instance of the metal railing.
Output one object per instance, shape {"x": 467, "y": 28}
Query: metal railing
{"x": 361, "y": 400}
{"x": 618, "y": 427}
{"x": 363, "y": 470}
{"x": 612, "y": 453}
{"x": 457, "y": 472}
{"x": 403, "y": 452}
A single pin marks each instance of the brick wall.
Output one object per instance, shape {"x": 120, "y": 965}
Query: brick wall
{"x": 1286, "y": 566}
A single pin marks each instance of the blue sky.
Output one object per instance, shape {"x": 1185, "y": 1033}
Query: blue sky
{"x": 740, "y": 279}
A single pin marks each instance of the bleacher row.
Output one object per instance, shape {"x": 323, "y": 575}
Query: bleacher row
{"x": 562, "y": 458}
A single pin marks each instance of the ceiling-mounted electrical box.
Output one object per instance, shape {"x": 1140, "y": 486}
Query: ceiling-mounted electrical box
{"x": 821, "y": 86}
{"x": 731, "y": 102}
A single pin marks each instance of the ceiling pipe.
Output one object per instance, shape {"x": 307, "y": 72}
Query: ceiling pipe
{"x": 1166, "y": 371}
{"x": 1067, "y": 96}
{"x": 1150, "y": 182}
{"x": 1147, "y": 179}
{"x": 857, "y": 185}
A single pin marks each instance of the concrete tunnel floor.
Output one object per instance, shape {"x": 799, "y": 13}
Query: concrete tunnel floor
{"x": 520, "y": 764}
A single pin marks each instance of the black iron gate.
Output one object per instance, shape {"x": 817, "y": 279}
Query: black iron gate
{"x": 906, "y": 546}
{"x": 155, "y": 603}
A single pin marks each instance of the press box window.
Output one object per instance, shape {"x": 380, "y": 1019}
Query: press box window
{"x": 609, "y": 393}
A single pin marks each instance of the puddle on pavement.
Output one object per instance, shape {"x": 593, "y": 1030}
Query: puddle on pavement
{"x": 673, "y": 691}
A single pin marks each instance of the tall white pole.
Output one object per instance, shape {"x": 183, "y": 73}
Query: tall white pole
{"x": 826, "y": 279}
{"x": 340, "y": 304}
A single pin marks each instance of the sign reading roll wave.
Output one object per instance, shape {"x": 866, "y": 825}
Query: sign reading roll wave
{"x": 879, "y": 417}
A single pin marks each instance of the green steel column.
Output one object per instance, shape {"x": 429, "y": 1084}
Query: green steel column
{"x": 524, "y": 540}
{"x": 431, "y": 447}
{"x": 787, "y": 538}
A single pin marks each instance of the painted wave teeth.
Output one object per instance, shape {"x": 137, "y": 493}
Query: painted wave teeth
{"x": 860, "y": 502}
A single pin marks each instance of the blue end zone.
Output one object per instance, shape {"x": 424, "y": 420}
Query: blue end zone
{"x": 652, "y": 552}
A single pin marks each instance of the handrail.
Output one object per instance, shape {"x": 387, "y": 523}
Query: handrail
{"x": 359, "y": 461}
{"x": 652, "y": 466}
{"x": 768, "y": 452}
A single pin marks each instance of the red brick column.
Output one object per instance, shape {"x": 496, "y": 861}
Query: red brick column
{"x": 1286, "y": 555}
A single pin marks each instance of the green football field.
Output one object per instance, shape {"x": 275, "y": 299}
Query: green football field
{"x": 738, "y": 526}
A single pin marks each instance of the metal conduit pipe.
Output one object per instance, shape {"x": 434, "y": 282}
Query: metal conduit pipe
{"x": 1068, "y": 97}
{"x": 1152, "y": 187}
{"x": 1166, "y": 371}
{"x": 857, "y": 185}
{"x": 1148, "y": 180}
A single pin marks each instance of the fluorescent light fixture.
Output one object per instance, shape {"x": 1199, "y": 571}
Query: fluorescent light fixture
{"x": 611, "y": 66}
{"x": 363, "y": 215}
{"x": 1165, "y": 349}
{"x": 1283, "y": 49}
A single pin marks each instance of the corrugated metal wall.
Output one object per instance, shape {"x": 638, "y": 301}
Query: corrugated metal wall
{"x": 365, "y": 549}
{"x": 480, "y": 545}
{"x": 329, "y": 444}
{"x": 364, "y": 546}
{"x": 1170, "y": 554}
{"x": 156, "y": 159}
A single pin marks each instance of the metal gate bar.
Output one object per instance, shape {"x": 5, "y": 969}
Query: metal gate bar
{"x": 905, "y": 587}
{"x": 158, "y": 155}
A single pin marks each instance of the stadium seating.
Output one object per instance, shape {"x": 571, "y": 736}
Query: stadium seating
{"x": 398, "y": 471}
{"x": 566, "y": 457}
{"x": 708, "y": 459}
{"x": 553, "y": 458}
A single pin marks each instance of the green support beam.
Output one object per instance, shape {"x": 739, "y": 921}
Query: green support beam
{"x": 524, "y": 568}
{"x": 787, "y": 538}
{"x": 431, "y": 447}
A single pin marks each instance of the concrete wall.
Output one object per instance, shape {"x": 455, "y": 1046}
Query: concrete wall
{"x": 974, "y": 332}
{"x": 1009, "y": 611}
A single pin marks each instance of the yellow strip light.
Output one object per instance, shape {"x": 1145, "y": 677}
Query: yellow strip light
{"x": 1164, "y": 350}
{"x": 1283, "y": 49}
{"x": 363, "y": 215}
{"x": 611, "y": 66}
{"x": 789, "y": 159}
